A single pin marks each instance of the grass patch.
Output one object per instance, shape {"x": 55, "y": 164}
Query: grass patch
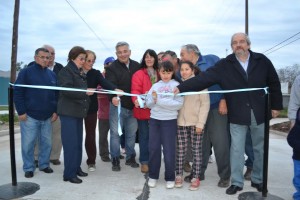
{"x": 283, "y": 113}
{"x": 5, "y": 118}
{"x": 3, "y": 107}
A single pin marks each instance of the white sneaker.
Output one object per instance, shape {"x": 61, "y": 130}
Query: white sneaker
{"x": 123, "y": 151}
{"x": 211, "y": 159}
{"x": 91, "y": 168}
{"x": 152, "y": 182}
{"x": 170, "y": 184}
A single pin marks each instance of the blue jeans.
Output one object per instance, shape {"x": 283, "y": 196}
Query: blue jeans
{"x": 237, "y": 150}
{"x": 249, "y": 151}
{"x": 33, "y": 131}
{"x": 129, "y": 124}
{"x": 296, "y": 179}
{"x": 144, "y": 141}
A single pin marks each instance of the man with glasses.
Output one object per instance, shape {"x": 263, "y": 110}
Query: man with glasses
{"x": 56, "y": 127}
{"x": 120, "y": 73}
{"x": 36, "y": 110}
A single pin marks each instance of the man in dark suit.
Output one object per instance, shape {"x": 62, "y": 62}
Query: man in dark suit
{"x": 246, "y": 110}
{"x": 56, "y": 134}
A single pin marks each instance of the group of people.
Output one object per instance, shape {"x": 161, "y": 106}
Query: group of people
{"x": 183, "y": 128}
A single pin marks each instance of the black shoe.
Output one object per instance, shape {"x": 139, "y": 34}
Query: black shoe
{"x": 233, "y": 189}
{"x": 258, "y": 186}
{"x": 82, "y": 174}
{"x": 187, "y": 167}
{"x": 188, "y": 178}
{"x": 73, "y": 180}
{"x": 131, "y": 161}
{"x": 29, "y": 174}
{"x": 247, "y": 174}
{"x": 55, "y": 162}
{"x": 121, "y": 157}
{"x": 47, "y": 170}
{"x": 116, "y": 164}
{"x": 223, "y": 183}
{"x": 36, "y": 162}
{"x": 105, "y": 159}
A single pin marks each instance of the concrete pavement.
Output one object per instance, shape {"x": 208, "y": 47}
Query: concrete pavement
{"x": 129, "y": 182}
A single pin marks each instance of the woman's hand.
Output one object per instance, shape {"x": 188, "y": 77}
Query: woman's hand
{"x": 92, "y": 91}
{"x": 115, "y": 101}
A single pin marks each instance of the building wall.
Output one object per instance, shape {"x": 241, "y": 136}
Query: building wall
{"x": 4, "y": 84}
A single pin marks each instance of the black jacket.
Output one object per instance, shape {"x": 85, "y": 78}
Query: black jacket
{"x": 293, "y": 137}
{"x": 95, "y": 78}
{"x": 230, "y": 75}
{"x": 120, "y": 75}
{"x": 72, "y": 103}
{"x": 57, "y": 67}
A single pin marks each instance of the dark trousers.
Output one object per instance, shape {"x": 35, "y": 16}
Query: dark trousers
{"x": 162, "y": 134}
{"x": 71, "y": 136}
{"x": 103, "y": 132}
{"x": 144, "y": 141}
{"x": 217, "y": 134}
{"x": 90, "y": 122}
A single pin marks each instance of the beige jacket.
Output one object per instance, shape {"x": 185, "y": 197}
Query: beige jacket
{"x": 194, "y": 110}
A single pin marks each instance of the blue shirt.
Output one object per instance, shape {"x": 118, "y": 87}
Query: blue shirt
{"x": 205, "y": 62}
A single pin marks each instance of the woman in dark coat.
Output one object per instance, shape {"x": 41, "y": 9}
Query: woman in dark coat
{"x": 72, "y": 108}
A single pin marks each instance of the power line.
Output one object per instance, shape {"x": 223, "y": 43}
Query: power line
{"x": 89, "y": 27}
{"x": 281, "y": 43}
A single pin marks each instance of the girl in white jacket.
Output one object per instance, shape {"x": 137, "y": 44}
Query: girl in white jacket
{"x": 163, "y": 124}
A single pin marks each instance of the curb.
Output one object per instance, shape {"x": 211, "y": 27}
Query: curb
{"x": 278, "y": 133}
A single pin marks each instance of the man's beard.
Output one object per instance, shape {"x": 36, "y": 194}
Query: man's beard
{"x": 240, "y": 52}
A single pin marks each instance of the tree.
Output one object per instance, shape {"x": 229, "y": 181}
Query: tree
{"x": 18, "y": 66}
{"x": 288, "y": 74}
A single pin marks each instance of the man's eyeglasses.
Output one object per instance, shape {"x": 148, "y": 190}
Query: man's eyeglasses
{"x": 43, "y": 57}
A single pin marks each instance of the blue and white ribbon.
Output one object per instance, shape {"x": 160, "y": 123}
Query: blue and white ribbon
{"x": 140, "y": 97}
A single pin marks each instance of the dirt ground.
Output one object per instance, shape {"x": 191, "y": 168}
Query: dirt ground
{"x": 283, "y": 127}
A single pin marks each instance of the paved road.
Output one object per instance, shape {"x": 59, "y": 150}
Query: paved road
{"x": 128, "y": 184}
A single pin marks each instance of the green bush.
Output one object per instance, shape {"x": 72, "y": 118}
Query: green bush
{"x": 5, "y": 118}
{"x": 283, "y": 113}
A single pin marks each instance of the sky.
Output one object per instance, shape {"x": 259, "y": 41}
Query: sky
{"x": 149, "y": 24}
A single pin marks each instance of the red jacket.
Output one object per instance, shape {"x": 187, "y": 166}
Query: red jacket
{"x": 140, "y": 84}
{"x": 103, "y": 104}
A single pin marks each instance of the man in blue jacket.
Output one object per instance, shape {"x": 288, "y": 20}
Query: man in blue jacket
{"x": 243, "y": 69}
{"x": 36, "y": 109}
{"x": 216, "y": 132}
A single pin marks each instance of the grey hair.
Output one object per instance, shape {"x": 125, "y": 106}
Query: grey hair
{"x": 46, "y": 46}
{"x": 40, "y": 49}
{"x": 191, "y": 47}
{"x": 119, "y": 44}
{"x": 244, "y": 34}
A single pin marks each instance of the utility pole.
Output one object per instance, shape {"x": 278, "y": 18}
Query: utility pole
{"x": 14, "y": 42}
{"x": 246, "y": 17}
{"x": 15, "y": 190}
